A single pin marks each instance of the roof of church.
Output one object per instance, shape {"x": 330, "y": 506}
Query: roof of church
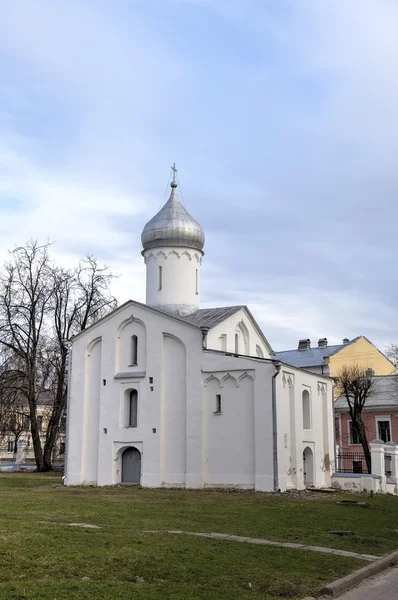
{"x": 210, "y": 317}
{"x": 173, "y": 226}
{"x": 384, "y": 393}
{"x": 311, "y": 357}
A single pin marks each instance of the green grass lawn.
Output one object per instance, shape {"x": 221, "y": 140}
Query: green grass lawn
{"x": 53, "y": 561}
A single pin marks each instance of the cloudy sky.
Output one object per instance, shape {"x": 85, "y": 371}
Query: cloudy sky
{"x": 280, "y": 114}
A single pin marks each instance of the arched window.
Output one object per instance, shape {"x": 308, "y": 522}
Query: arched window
{"x": 134, "y": 351}
{"x": 306, "y": 410}
{"x": 160, "y": 278}
{"x": 223, "y": 342}
{"x": 259, "y": 352}
{"x": 133, "y": 408}
{"x": 236, "y": 343}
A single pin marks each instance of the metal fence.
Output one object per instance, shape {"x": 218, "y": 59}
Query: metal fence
{"x": 351, "y": 462}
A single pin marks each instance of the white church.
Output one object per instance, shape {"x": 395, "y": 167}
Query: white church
{"x": 169, "y": 394}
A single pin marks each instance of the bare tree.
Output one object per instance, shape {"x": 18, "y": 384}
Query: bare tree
{"x": 41, "y": 307}
{"x": 79, "y": 298}
{"x": 392, "y": 354}
{"x": 357, "y": 385}
{"x": 25, "y": 294}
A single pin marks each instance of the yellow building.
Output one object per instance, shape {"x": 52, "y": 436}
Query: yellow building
{"x": 328, "y": 360}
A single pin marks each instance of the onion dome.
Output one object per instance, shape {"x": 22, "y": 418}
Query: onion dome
{"x": 173, "y": 226}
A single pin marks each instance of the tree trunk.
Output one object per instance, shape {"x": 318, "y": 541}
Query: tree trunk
{"x": 36, "y": 438}
{"x": 58, "y": 409}
{"x": 365, "y": 445}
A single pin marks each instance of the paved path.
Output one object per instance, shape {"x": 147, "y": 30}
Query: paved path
{"x": 238, "y": 538}
{"x": 381, "y": 587}
{"x": 262, "y": 541}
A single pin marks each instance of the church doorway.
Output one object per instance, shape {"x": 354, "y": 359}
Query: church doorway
{"x": 131, "y": 466}
{"x": 308, "y": 466}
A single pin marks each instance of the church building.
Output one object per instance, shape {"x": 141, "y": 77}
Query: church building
{"x": 169, "y": 394}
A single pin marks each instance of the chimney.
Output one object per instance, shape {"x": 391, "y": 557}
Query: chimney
{"x": 345, "y": 341}
{"x": 322, "y": 342}
{"x": 304, "y": 344}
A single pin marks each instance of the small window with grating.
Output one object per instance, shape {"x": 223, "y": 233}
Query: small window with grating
{"x": 133, "y": 409}
{"x": 134, "y": 351}
{"x": 218, "y": 404}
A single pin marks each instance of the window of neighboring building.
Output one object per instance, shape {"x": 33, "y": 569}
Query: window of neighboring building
{"x": 357, "y": 466}
{"x": 62, "y": 448}
{"x": 10, "y": 446}
{"x": 25, "y": 422}
{"x": 160, "y": 278}
{"x": 384, "y": 430}
{"x": 134, "y": 351}
{"x": 133, "y": 408}
{"x": 40, "y": 424}
{"x": 354, "y": 436}
{"x": 306, "y": 410}
{"x": 218, "y": 404}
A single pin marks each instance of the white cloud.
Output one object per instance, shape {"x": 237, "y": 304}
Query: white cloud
{"x": 118, "y": 81}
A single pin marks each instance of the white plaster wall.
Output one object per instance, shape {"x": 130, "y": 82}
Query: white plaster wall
{"x": 239, "y": 441}
{"x": 112, "y": 436}
{"x": 179, "y": 267}
{"x": 124, "y": 333}
{"x": 228, "y": 328}
{"x": 230, "y": 444}
{"x": 173, "y": 412}
{"x": 92, "y": 389}
{"x": 293, "y": 438}
{"x": 355, "y": 483}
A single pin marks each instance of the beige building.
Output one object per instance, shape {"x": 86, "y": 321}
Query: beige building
{"x": 328, "y": 360}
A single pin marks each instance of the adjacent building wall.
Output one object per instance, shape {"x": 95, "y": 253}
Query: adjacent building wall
{"x": 363, "y": 353}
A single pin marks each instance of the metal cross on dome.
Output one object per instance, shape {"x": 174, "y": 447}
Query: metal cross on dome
{"x": 173, "y": 168}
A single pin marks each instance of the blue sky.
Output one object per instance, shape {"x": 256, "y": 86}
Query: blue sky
{"x": 281, "y": 116}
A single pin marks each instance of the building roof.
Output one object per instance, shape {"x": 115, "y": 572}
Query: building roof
{"x": 384, "y": 393}
{"x": 173, "y": 226}
{"x": 313, "y": 357}
{"x": 210, "y": 317}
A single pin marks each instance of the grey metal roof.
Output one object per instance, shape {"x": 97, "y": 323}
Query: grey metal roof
{"x": 313, "y": 357}
{"x": 210, "y": 317}
{"x": 173, "y": 226}
{"x": 384, "y": 393}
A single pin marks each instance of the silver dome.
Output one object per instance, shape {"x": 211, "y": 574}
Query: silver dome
{"x": 173, "y": 226}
